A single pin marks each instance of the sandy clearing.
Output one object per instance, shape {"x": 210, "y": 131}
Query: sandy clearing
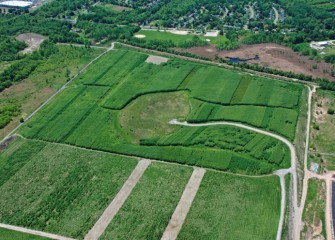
{"x": 113, "y": 208}
{"x": 33, "y": 41}
{"x": 139, "y": 36}
{"x": 34, "y": 232}
{"x": 156, "y": 59}
{"x": 212, "y": 34}
{"x": 184, "y": 205}
{"x": 179, "y": 32}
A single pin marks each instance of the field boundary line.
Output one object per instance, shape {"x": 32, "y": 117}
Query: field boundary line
{"x": 100, "y": 226}
{"x": 178, "y": 217}
{"x": 34, "y": 232}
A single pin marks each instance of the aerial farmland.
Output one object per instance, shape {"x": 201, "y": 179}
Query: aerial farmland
{"x": 135, "y": 137}
{"x": 167, "y": 120}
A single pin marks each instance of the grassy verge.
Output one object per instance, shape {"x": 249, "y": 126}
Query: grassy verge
{"x": 285, "y": 232}
{"x": 14, "y": 235}
{"x": 149, "y": 208}
{"x": 68, "y": 190}
{"x": 233, "y": 207}
{"x": 323, "y": 126}
{"x": 314, "y": 212}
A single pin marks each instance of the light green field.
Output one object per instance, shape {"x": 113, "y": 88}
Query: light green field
{"x": 127, "y": 110}
{"x": 58, "y": 189}
{"x": 233, "y": 207}
{"x": 152, "y": 123}
{"x": 150, "y": 206}
{"x": 175, "y": 38}
{"x": 6, "y": 234}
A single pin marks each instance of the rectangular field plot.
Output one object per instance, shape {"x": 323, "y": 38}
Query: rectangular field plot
{"x": 150, "y": 206}
{"x": 234, "y": 207}
{"x": 58, "y": 189}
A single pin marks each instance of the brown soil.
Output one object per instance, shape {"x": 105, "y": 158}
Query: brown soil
{"x": 272, "y": 56}
{"x": 33, "y": 41}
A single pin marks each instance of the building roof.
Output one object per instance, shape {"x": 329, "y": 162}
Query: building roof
{"x": 16, "y": 4}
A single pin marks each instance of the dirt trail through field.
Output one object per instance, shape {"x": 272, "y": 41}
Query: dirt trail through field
{"x": 33, "y": 232}
{"x": 280, "y": 173}
{"x": 110, "y": 212}
{"x": 184, "y": 205}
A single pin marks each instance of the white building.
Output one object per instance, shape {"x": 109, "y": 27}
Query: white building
{"x": 321, "y": 45}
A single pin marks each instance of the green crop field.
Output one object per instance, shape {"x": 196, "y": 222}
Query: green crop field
{"x": 123, "y": 104}
{"x": 68, "y": 190}
{"x": 6, "y": 234}
{"x": 149, "y": 208}
{"x": 234, "y": 207}
{"x": 177, "y": 39}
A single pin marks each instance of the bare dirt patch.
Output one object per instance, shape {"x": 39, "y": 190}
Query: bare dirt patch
{"x": 139, "y": 36}
{"x": 179, "y": 32}
{"x": 121, "y": 8}
{"x": 271, "y": 55}
{"x": 33, "y": 41}
{"x": 156, "y": 60}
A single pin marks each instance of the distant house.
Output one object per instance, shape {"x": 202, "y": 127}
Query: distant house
{"x": 321, "y": 45}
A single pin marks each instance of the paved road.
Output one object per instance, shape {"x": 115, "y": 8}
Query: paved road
{"x": 110, "y": 212}
{"x": 184, "y": 205}
{"x": 280, "y": 173}
{"x": 33, "y": 232}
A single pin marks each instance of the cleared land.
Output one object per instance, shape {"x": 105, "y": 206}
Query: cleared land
{"x": 123, "y": 104}
{"x": 68, "y": 191}
{"x": 272, "y": 56}
{"x": 233, "y": 207}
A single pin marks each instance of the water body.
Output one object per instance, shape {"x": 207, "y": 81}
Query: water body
{"x": 239, "y": 60}
{"x": 333, "y": 204}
